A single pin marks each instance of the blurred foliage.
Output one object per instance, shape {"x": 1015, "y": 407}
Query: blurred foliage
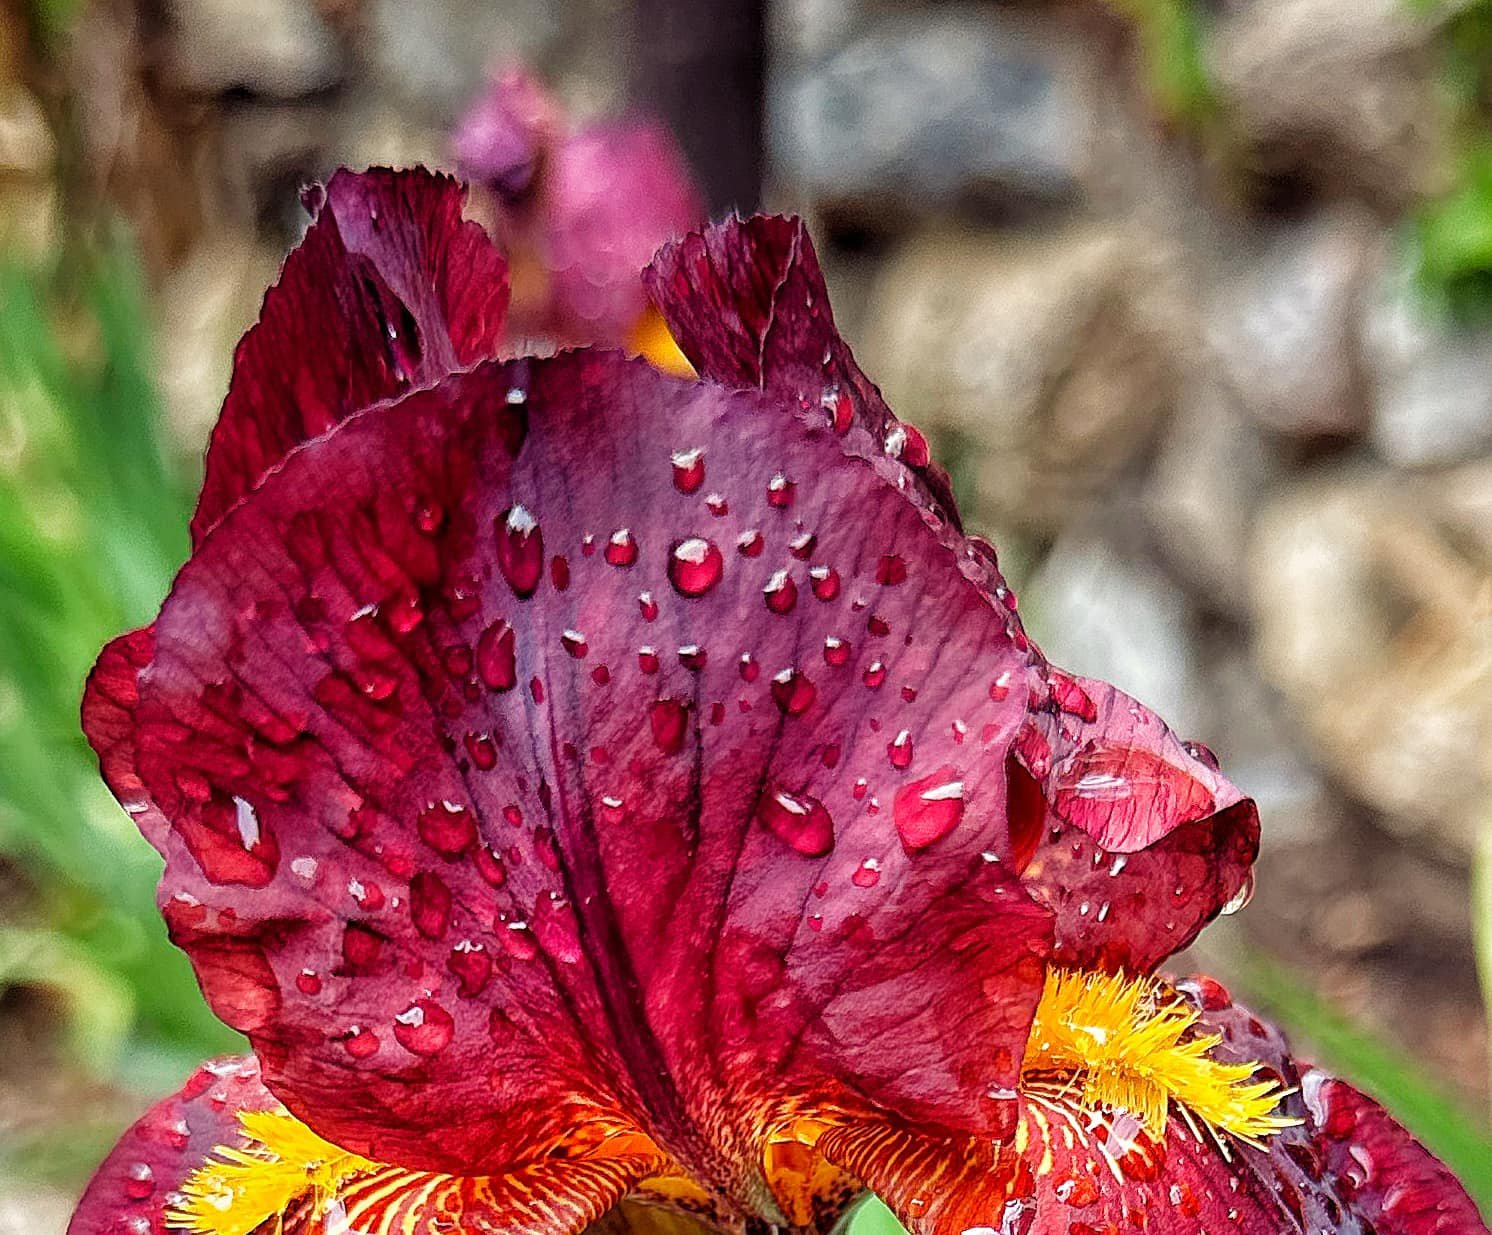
{"x": 92, "y": 526}
{"x": 1170, "y": 36}
{"x": 1452, "y": 235}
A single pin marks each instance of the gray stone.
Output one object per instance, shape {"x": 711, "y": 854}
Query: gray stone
{"x": 1282, "y": 323}
{"x": 1210, "y": 474}
{"x": 1101, "y": 614}
{"x": 276, "y": 48}
{"x": 1345, "y": 95}
{"x": 1430, "y": 380}
{"x": 1043, "y": 353}
{"x": 1373, "y": 617}
{"x": 928, "y": 114}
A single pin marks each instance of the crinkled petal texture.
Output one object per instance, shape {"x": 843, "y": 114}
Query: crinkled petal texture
{"x": 1138, "y": 840}
{"x": 139, "y": 1188}
{"x": 552, "y": 752}
{"x": 1347, "y": 1167}
{"x": 388, "y": 290}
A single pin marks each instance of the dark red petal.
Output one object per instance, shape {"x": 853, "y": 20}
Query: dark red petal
{"x": 128, "y": 1194}
{"x": 1347, "y": 1168}
{"x": 389, "y": 289}
{"x": 1393, "y": 1180}
{"x": 747, "y": 303}
{"x": 109, "y": 701}
{"x": 1106, "y": 777}
{"x": 690, "y": 912}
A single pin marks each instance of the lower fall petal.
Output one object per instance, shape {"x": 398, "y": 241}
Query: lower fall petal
{"x": 222, "y": 1157}
{"x": 1072, "y": 1168}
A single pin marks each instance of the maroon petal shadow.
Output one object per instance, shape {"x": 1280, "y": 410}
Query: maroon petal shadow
{"x": 482, "y": 832}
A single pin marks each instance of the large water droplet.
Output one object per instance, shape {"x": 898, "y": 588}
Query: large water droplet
{"x": 497, "y": 662}
{"x": 928, "y": 809}
{"x": 781, "y": 593}
{"x": 793, "y": 691}
{"x": 688, "y": 470}
{"x": 694, "y": 566}
{"x": 621, "y": 549}
{"x": 447, "y": 828}
{"x": 520, "y": 550}
{"x": 424, "y": 1028}
{"x": 798, "y": 820}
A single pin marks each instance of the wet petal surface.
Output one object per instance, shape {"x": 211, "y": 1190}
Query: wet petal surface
{"x": 747, "y": 302}
{"x": 483, "y": 835}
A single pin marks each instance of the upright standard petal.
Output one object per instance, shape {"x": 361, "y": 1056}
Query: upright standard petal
{"x": 747, "y": 302}
{"x": 389, "y": 289}
{"x": 550, "y": 755}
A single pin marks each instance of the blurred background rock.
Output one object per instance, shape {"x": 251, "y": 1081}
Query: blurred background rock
{"x": 1195, "y": 297}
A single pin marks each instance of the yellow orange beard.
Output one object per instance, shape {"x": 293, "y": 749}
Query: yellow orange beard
{"x": 237, "y": 1190}
{"x": 1130, "y": 1044}
{"x": 1103, "y": 1041}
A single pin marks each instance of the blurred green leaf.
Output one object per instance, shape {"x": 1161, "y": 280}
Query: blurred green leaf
{"x": 1171, "y": 36}
{"x": 92, "y": 527}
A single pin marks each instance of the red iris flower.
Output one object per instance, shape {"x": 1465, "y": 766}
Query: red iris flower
{"x": 578, "y": 210}
{"x": 595, "y": 792}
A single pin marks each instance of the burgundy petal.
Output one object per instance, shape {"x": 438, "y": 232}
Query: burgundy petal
{"x": 462, "y": 907}
{"x": 747, "y": 302}
{"x": 129, "y": 1193}
{"x": 109, "y": 702}
{"x": 1346, "y": 1168}
{"x": 389, "y": 289}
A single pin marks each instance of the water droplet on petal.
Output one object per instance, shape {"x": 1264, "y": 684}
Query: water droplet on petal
{"x": 497, "y": 656}
{"x": 669, "y": 719}
{"x": 1240, "y": 899}
{"x": 899, "y": 750}
{"x": 520, "y": 550}
{"x": 798, "y": 820}
{"x": 688, "y": 470}
{"x": 694, "y": 566}
{"x": 621, "y": 549}
{"x": 781, "y": 593}
{"x": 447, "y": 827}
{"x": 927, "y": 810}
{"x": 424, "y": 1028}
{"x": 793, "y": 692}
{"x": 825, "y": 582}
